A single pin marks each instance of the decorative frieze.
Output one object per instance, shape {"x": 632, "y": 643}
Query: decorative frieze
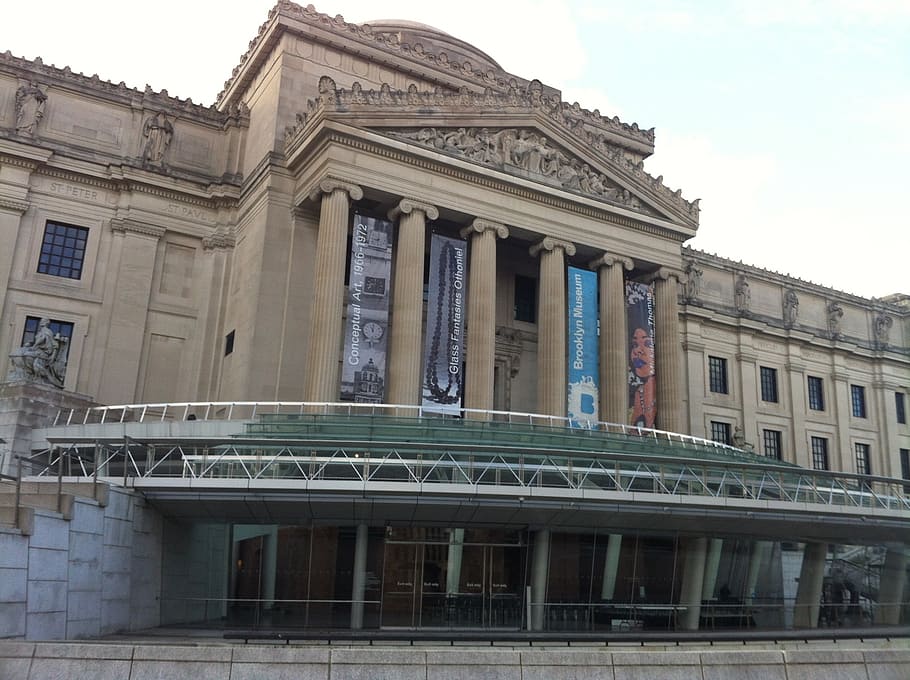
{"x": 119, "y": 226}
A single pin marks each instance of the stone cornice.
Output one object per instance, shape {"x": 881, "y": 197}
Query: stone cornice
{"x": 480, "y": 225}
{"x": 407, "y": 205}
{"x": 488, "y": 80}
{"x": 550, "y": 244}
{"x": 134, "y": 227}
{"x": 487, "y": 180}
{"x": 608, "y": 260}
{"x": 329, "y": 184}
{"x": 665, "y": 274}
{"x": 516, "y": 101}
{"x": 13, "y": 205}
{"x": 147, "y": 98}
{"x": 218, "y": 240}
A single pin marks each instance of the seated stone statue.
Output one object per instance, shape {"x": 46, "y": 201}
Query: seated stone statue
{"x": 36, "y": 361}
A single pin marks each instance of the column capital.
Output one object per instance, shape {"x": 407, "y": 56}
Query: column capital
{"x": 408, "y": 205}
{"x": 665, "y": 274}
{"x": 13, "y": 205}
{"x": 608, "y": 260}
{"x": 550, "y": 244}
{"x": 328, "y": 185}
{"x": 480, "y": 225}
{"x": 122, "y": 226}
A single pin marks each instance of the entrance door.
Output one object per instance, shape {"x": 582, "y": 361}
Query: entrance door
{"x": 489, "y": 587}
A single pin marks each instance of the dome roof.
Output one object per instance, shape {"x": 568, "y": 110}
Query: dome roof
{"x": 434, "y": 40}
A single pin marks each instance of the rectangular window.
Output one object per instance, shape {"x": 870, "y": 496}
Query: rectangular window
{"x": 720, "y": 432}
{"x": 863, "y": 464}
{"x": 768, "y": 384}
{"x": 717, "y": 374}
{"x": 62, "y": 250}
{"x": 525, "y": 299}
{"x": 51, "y": 342}
{"x": 772, "y": 441}
{"x": 819, "y": 453}
{"x": 858, "y": 400}
{"x": 816, "y": 394}
{"x": 900, "y": 407}
{"x": 229, "y": 343}
{"x": 905, "y": 468}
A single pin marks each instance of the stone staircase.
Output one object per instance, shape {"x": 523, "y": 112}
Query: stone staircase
{"x": 46, "y": 495}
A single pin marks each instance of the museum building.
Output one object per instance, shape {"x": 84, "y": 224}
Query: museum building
{"x": 391, "y": 338}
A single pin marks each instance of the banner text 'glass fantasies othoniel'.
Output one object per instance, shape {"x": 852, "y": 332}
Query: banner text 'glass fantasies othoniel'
{"x": 446, "y": 307}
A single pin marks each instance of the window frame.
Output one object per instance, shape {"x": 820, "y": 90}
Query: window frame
{"x": 816, "y": 391}
{"x": 524, "y": 308}
{"x": 769, "y": 386}
{"x": 776, "y": 438}
{"x": 719, "y": 426}
{"x": 46, "y": 251}
{"x": 900, "y": 407}
{"x": 718, "y": 376}
{"x": 858, "y": 401}
{"x": 818, "y": 448}
{"x": 862, "y": 454}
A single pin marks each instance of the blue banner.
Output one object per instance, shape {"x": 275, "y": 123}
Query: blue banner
{"x": 582, "y": 404}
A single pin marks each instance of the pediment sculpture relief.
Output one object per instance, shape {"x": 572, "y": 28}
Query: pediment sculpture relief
{"x": 526, "y": 150}
{"x": 518, "y": 99}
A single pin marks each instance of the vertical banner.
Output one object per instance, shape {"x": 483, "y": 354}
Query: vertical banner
{"x": 446, "y": 307}
{"x": 582, "y": 400}
{"x": 642, "y": 383}
{"x": 365, "y": 336}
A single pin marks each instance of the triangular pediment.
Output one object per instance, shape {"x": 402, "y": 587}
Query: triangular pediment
{"x": 522, "y": 133}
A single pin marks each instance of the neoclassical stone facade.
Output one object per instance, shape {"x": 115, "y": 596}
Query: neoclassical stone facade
{"x": 184, "y": 252}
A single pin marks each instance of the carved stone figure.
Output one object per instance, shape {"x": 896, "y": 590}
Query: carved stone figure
{"x": 693, "y": 280}
{"x": 158, "y": 132}
{"x": 742, "y": 296}
{"x": 38, "y": 361}
{"x": 791, "y": 307}
{"x": 835, "y": 314}
{"x": 881, "y": 327}
{"x": 30, "y": 101}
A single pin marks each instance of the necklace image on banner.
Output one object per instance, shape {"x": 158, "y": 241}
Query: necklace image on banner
{"x": 444, "y": 348}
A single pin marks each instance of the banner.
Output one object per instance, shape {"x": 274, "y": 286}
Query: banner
{"x": 365, "y": 336}
{"x": 446, "y": 308}
{"x": 582, "y": 400}
{"x": 642, "y": 383}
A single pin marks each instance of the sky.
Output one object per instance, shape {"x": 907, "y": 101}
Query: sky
{"x": 789, "y": 119}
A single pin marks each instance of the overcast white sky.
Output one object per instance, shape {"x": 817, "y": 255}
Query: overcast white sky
{"x": 790, "y": 119}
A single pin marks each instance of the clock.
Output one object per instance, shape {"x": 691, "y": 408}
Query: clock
{"x": 372, "y": 331}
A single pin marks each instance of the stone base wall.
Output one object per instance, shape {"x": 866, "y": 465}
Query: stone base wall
{"x": 94, "y": 574}
{"x": 25, "y": 406}
{"x": 845, "y": 661}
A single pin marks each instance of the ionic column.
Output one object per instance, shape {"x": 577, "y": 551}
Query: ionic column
{"x": 809, "y": 590}
{"x": 614, "y": 341}
{"x": 551, "y": 326}
{"x": 407, "y": 301}
{"x": 321, "y": 379}
{"x": 481, "y": 337}
{"x": 668, "y": 353}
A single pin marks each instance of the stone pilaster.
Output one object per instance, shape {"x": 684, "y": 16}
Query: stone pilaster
{"x": 135, "y": 247}
{"x": 668, "y": 352}
{"x": 407, "y": 301}
{"x": 321, "y": 381}
{"x": 551, "y": 326}
{"x": 481, "y": 337}
{"x": 614, "y": 341}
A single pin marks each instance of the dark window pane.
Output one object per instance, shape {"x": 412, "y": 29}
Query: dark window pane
{"x": 62, "y": 250}
{"x": 858, "y": 400}
{"x": 769, "y": 384}
{"x": 819, "y": 453}
{"x": 816, "y": 394}
{"x": 717, "y": 374}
